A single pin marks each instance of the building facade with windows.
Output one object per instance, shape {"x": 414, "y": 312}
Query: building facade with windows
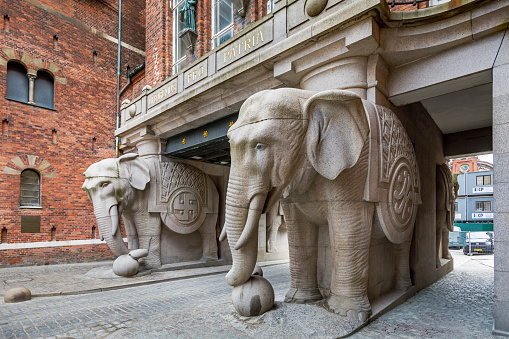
{"x": 58, "y": 79}
{"x": 474, "y": 204}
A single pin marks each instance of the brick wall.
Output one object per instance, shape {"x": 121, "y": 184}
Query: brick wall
{"x": 85, "y": 98}
{"x": 398, "y": 8}
{"x": 256, "y": 9}
{"x": 158, "y": 41}
{"x": 54, "y": 255}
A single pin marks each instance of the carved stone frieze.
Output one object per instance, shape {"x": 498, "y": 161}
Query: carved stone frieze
{"x": 175, "y": 175}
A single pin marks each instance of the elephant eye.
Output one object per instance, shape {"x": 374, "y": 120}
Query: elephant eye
{"x": 260, "y": 146}
{"x": 104, "y": 184}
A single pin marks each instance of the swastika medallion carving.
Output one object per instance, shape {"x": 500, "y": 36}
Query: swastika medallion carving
{"x": 185, "y": 207}
{"x": 185, "y": 211}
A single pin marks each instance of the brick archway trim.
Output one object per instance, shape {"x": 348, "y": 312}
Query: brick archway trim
{"x": 32, "y": 65}
{"x": 16, "y": 165}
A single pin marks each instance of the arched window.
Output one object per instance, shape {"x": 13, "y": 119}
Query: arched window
{"x": 44, "y": 90}
{"x": 30, "y": 185}
{"x": 17, "y": 82}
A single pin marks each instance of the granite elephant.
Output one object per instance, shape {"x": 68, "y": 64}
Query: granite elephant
{"x": 446, "y": 193}
{"x": 334, "y": 159}
{"x": 148, "y": 194}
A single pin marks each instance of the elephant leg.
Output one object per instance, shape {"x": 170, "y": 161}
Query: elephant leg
{"x": 350, "y": 225}
{"x": 438, "y": 243}
{"x": 130, "y": 232}
{"x": 445, "y": 244}
{"x": 303, "y": 248}
{"x": 208, "y": 237}
{"x": 273, "y": 227}
{"x": 402, "y": 266}
{"x": 149, "y": 235}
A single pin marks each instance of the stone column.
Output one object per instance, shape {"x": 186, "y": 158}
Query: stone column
{"x": 501, "y": 193}
{"x": 347, "y": 73}
{"x": 31, "y": 80}
{"x": 151, "y": 146}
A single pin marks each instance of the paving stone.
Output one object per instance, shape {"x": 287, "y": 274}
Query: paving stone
{"x": 201, "y": 308}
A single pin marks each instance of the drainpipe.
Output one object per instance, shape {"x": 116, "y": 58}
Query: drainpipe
{"x": 129, "y": 76}
{"x": 118, "y": 73}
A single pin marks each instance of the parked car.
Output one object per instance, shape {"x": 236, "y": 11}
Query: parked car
{"x": 457, "y": 239}
{"x": 478, "y": 242}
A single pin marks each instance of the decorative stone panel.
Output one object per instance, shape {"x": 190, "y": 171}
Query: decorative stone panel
{"x": 16, "y": 165}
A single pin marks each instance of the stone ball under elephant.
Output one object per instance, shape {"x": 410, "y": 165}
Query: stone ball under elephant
{"x": 254, "y": 297}
{"x": 125, "y": 266}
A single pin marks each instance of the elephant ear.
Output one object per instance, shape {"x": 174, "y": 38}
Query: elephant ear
{"x": 135, "y": 170}
{"x": 337, "y": 131}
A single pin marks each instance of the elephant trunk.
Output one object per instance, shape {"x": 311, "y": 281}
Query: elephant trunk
{"x": 241, "y": 224}
{"x": 108, "y": 224}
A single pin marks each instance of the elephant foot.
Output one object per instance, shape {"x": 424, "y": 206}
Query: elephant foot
{"x": 303, "y": 295}
{"x": 438, "y": 263}
{"x": 206, "y": 257}
{"x": 403, "y": 285}
{"x": 448, "y": 255}
{"x": 148, "y": 264}
{"x": 357, "y": 310}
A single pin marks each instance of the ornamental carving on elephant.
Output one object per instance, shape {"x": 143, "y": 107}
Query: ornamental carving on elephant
{"x": 335, "y": 160}
{"x": 148, "y": 194}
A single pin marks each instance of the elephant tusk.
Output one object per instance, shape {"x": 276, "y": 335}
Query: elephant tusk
{"x": 114, "y": 219}
{"x": 253, "y": 218}
{"x": 222, "y": 236}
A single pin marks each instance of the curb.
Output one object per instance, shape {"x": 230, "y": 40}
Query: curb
{"x": 137, "y": 284}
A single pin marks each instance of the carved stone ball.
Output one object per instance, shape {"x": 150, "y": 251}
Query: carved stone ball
{"x": 17, "y": 294}
{"x": 125, "y": 266}
{"x": 315, "y": 7}
{"x": 132, "y": 110}
{"x": 254, "y": 297}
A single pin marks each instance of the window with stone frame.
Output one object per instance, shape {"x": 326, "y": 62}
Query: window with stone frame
{"x": 44, "y": 92}
{"x": 222, "y": 21}
{"x": 30, "y": 188}
{"x": 179, "y": 47}
{"x": 17, "y": 82}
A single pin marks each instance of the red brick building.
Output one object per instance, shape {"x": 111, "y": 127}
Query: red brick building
{"x": 58, "y": 79}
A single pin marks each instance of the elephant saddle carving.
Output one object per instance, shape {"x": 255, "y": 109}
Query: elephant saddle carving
{"x": 393, "y": 180}
{"x": 183, "y": 198}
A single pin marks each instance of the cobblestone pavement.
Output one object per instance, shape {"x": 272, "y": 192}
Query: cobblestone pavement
{"x": 459, "y": 305}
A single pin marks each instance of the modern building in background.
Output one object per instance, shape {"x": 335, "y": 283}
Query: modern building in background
{"x": 474, "y": 204}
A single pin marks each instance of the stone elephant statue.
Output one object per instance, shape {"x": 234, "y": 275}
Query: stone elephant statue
{"x": 334, "y": 159}
{"x": 446, "y": 192}
{"x": 148, "y": 193}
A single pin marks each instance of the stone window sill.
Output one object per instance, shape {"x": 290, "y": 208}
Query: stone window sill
{"x": 31, "y": 207}
{"x": 33, "y": 105}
